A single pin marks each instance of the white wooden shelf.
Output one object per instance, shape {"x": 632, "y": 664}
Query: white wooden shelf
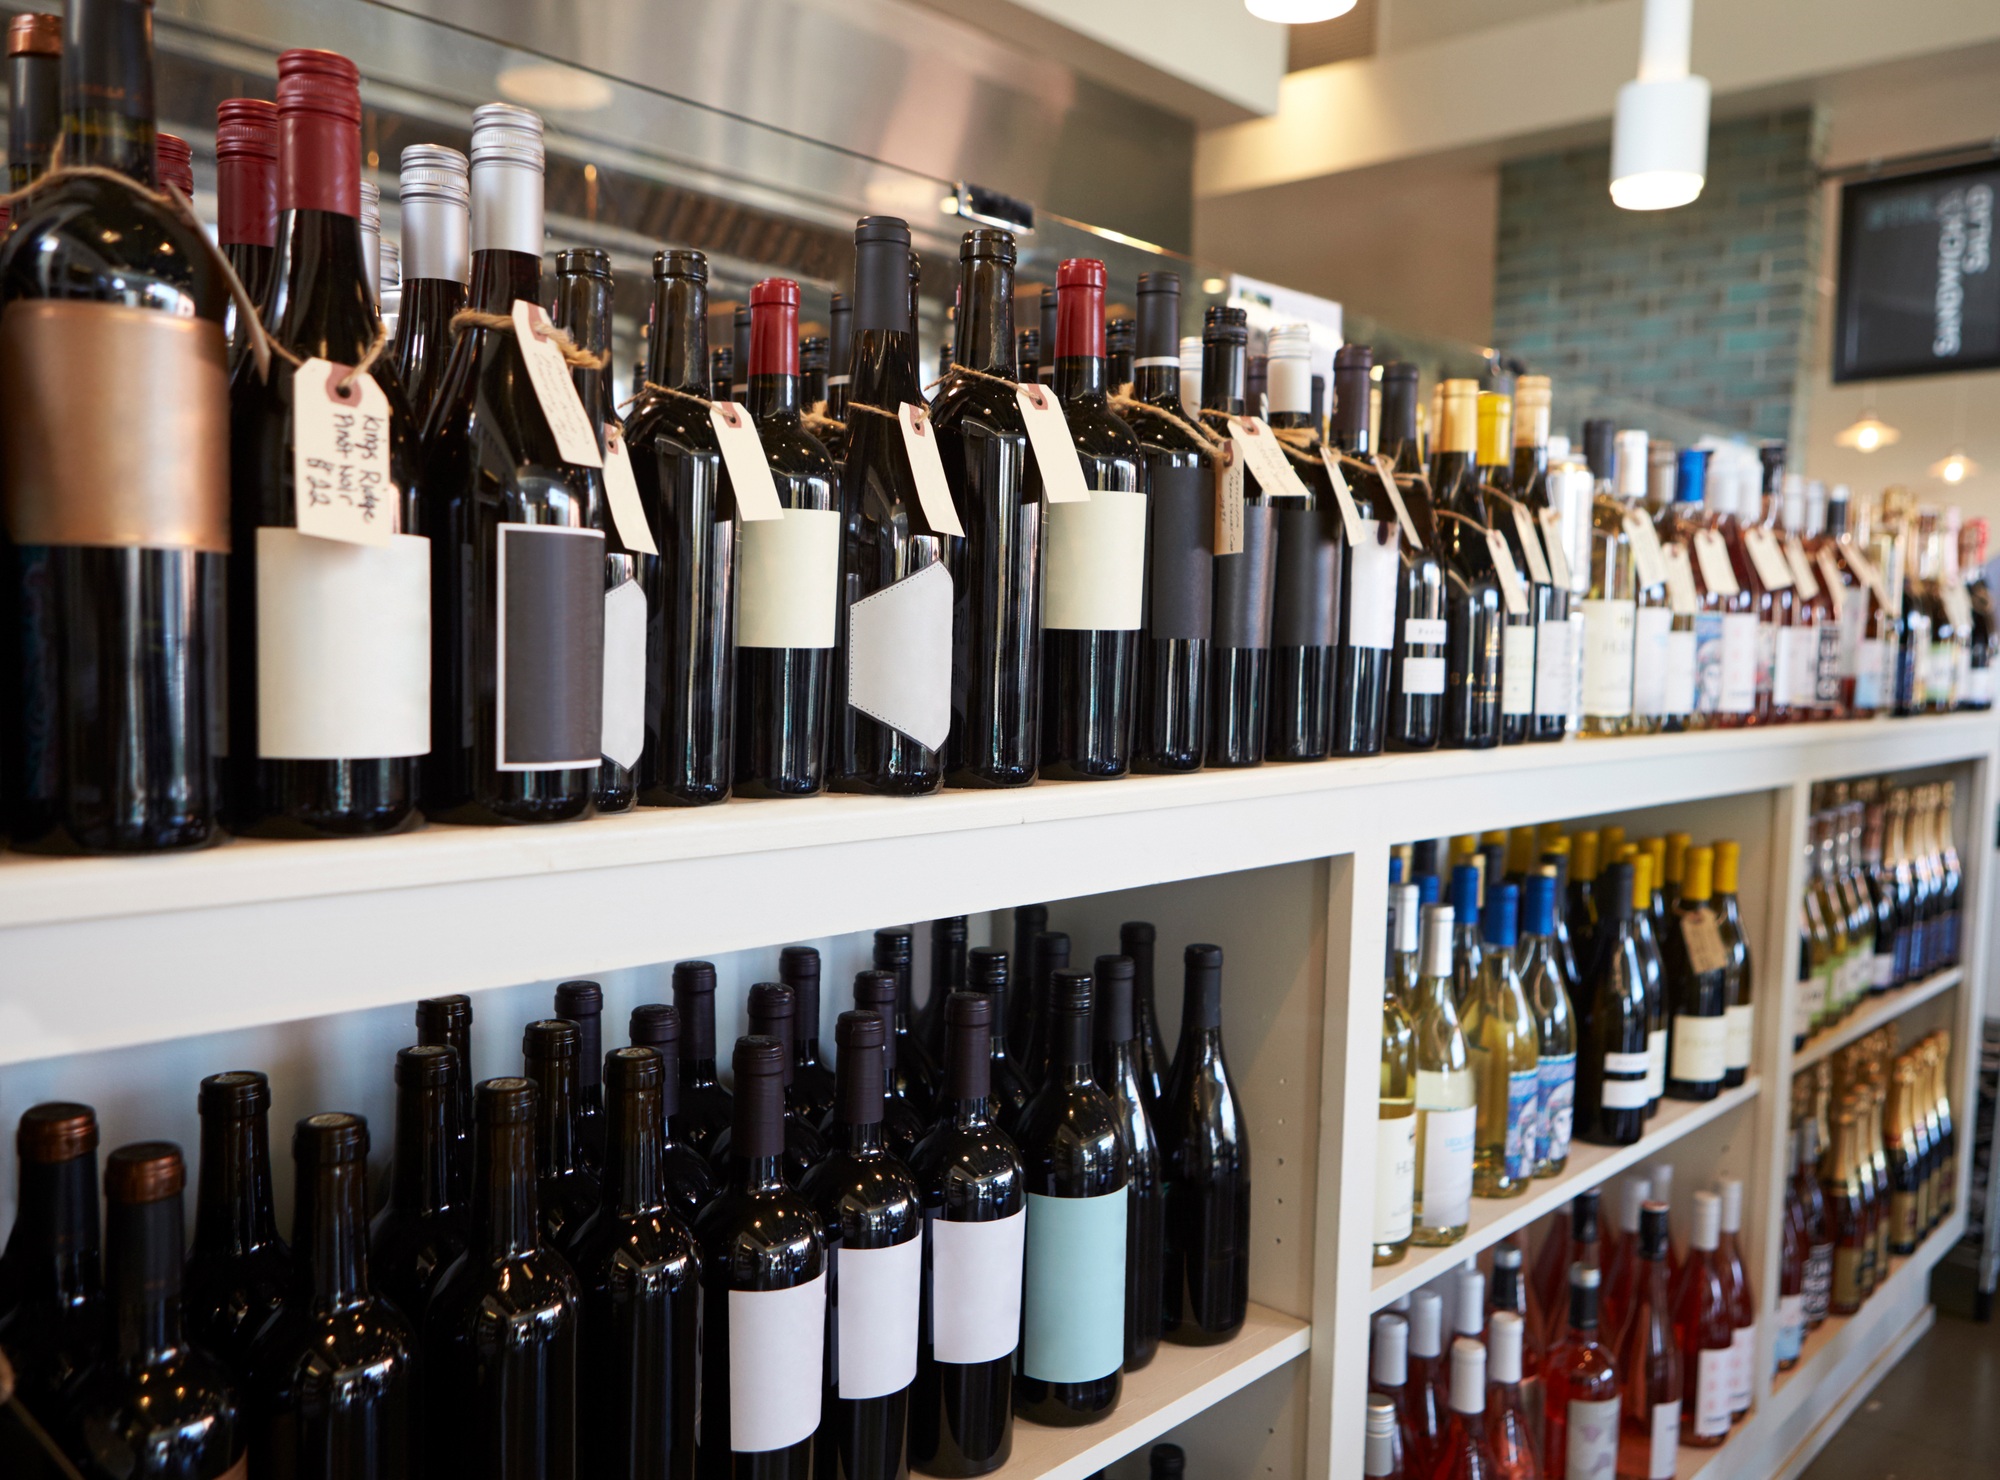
{"x": 1873, "y": 1013}
{"x": 1175, "y": 1386}
{"x": 1494, "y": 1218}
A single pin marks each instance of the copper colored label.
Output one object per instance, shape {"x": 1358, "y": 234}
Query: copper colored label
{"x": 117, "y": 427}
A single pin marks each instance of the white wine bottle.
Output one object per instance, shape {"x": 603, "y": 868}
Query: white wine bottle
{"x": 1445, "y": 1106}
{"x": 1396, "y": 1109}
{"x": 1504, "y": 1044}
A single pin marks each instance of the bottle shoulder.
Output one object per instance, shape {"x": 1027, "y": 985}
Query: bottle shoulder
{"x": 479, "y": 1290}
{"x": 91, "y": 239}
{"x": 646, "y": 1244}
{"x": 307, "y": 1348}
{"x": 969, "y": 405}
{"x": 772, "y": 1236}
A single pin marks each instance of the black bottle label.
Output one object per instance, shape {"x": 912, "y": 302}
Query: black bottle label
{"x": 1181, "y": 564}
{"x": 1243, "y": 583}
{"x": 1308, "y": 577}
{"x": 550, "y": 700}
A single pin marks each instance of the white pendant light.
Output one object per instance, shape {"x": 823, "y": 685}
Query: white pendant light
{"x": 1298, "y": 12}
{"x": 1659, "y": 136}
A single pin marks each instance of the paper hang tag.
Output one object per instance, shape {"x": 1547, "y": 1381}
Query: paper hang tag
{"x": 1645, "y": 543}
{"x": 341, "y": 488}
{"x": 1228, "y": 500}
{"x": 1829, "y": 574}
{"x": 1702, "y": 935}
{"x": 1265, "y": 457}
{"x": 743, "y": 455}
{"x": 1767, "y": 558}
{"x": 920, "y": 446}
{"x": 1717, "y": 574}
{"x": 1865, "y": 571}
{"x": 1511, "y": 590}
{"x": 1801, "y": 568}
{"x": 548, "y": 373}
{"x": 1386, "y": 471}
{"x": 1552, "y": 541}
{"x": 1350, "y": 516}
{"x": 1531, "y": 544}
{"x": 1680, "y": 581}
{"x": 628, "y": 512}
{"x": 1055, "y": 449}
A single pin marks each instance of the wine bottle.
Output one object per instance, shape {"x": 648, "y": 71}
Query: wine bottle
{"x": 1652, "y": 965}
{"x": 1512, "y": 1437}
{"x": 1905, "y": 1151}
{"x": 814, "y": 352}
{"x": 1703, "y": 1330}
{"x": 689, "y": 1181}
{"x": 1557, "y": 620}
{"x": 1510, "y": 1293}
{"x": 1738, "y": 1009}
{"x": 839, "y": 364}
{"x": 1245, "y": 580}
{"x": 1649, "y": 1362}
{"x": 1696, "y": 963}
{"x": 1476, "y": 614}
{"x": 1612, "y": 1064}
{"x": 875, "y": 991}
{"x": 1180, "y": 561}
{"x": 1306, "y": 594}
{"x": 34, "y": 106}
{"x": 914, "y": 1073}
{"x": 987, "y": 973}
{"x": 705, "y": 1104}
{"x": 157, "y": 1403}
{"x": 1418, "y": 669}
{"x": 997, "y": 485}
{"x": 974, "y": 1193}
{"x": 434, "y": 195}
{"x": 1382, "y": 1454}
{"x": 582, "y": 1003}
{"x": 1736, "y": 1294}
{"x": 1030, "y": 920}
{"x": 1051, "y": 332}
{"x": 1503, "y": 1040}
{"x": 335, "y": 1373}
{"x": 771, "y": 1008}
{"x": 1425, "y": 1393}
{"x": 239, "y": 1271}
{"x": 1492, "y": 477}
{"x": 517, "y": 537}
{"x": 500, "y": 1338}
{"x": 1389, "y": 1380}
{"x": 447, "y": 1023}
{"x": 1396, "y": 1103}
{"x": 1468, "y": 951}
{"x": 1114, "y": 1065}
{"x": 1555, "y": 1022}
{"x": 1610, "y": 603}
{"x": 114, "y": 583}
{"x": 1582, "y": 1437}
{"x": 1371, "y": 569}
{"x": 764, "y": 1295}
{"x": 812, "y": 1089}
{"x": 893, "y": 637}
{"x": 422, "y": 1229}
{"x": 567, "y": 1190}
{"x": 1136, "y": 940}
{"x": 1447, "y": 1108}
{"x": 1073, "y": 1291}
{"x": 638, "y": 1273}
{"x": 1465, "y": 1451}
{"x": 246, "y": 170}
{"x": 52, "y": 1301}
{"x": 948, "y": 975}
{"x": 1051, "y": 954}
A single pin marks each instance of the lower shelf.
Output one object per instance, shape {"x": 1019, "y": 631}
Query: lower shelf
{"x": 1872, "y": 1013}
{"x": 1175, "y": 1386}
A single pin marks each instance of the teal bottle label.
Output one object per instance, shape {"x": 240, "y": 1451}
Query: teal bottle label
{"x": 1073, "y": 1299}
{"x": 1523, "y": 1096}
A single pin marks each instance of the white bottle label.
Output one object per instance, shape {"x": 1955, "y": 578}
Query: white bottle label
{"x": 899, "y": 655}
{"x": 777, "y": 1350}
{"x": 1094, "y": 566}
{"x": 1743, "y": 1348}
{"x": 1649, "y": 660}
{"x": 1428, "y": 631}
{"x": 1555, "y": 658}
{"x": 625, "y": 671}
{"x": 1795, "y": 676}
{"x": 1739, "y": 662}
{"x": 976, "y": 1287}
{"x": 1679, "y": 696}
{"x": 1395, "y": 1177}
{"x": 875, "y": 1299}
{"x": 1711, "y": 1391}
{"x": 1593, "y": 1440}
{"x": 1665, "y": 1455}
{"x": 1656, "y": 1063}
{"x": 1739, "y": 1024}
{"x": 788, "y": 580}
{"x": 1517, "y": 668}
{"x": 1700, "y": 1048}
{"x": 1423, "y": 675}
{"x": 1627, "y": 1094}
{"x": 1073, "y": 1287}
{"x": 1374, "y": 571}
{"x": 1608, "y": 632}
{"x": 1447, "y": 1168}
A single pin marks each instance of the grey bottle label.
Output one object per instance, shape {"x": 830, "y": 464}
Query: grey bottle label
{"x": 1180, "y": 558}
{"x": 550, "y": 700}
{"x": 1243, "y": 583}
{"x": 1306, "y": 609}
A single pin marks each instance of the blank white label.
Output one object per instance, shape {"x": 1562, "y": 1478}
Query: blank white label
{"x": 1395, "y": 1177}
{"x": 1739, "y": 662}
{"x": 624, "y": 673}
{"x": 899, "y": 656}
{"x": 1555, "y": 657}
{"x": 976, "y": 1288}
{"x": 1517, "y": 668}
{"x": 1423, "y": 675}
{"x": 1095, "y": 563}
{"x": 1607, "y": 658}
{"x": 1593, "y": 1440}
{"x": 777, "y": 1350}
{"x": 1679, "y": 696}
{"x": 1447, "y": 1169}
{"x": 1699, "y": 1053}
{"x": 875, "y": 1296}
{"x": 1649, "y": 660}
{"x": 1737, "y": 1025}
{"x": 343, "y": 647}
{"x": 1375, "y": 570}
{"x": 1666, "y": 1447}
{"x": 788, "y": 580}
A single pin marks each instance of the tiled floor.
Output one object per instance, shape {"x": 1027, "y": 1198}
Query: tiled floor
{"x": 1936, "y": 1417}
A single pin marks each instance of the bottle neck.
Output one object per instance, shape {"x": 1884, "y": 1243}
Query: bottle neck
{"x": 1069, "y": 1048}
{"x": 1222, "y": 373}
{"x": 420, "y": 1183}
{"x": 53, "y": 1249}
{"x": 108, "y": 117}
{"x": 1078, "y": 376}
{"x": 144, "y": 1272}
{"x": 556, "y": 1150}
{"x": 505, "y": 1206}
{"x": 637, "y": 1132}
{"x": 985, "y": 337}
{"x": 501, "y": 277}
{"x": 757, "y": 1133}
{"x": 583, "y": 310}
{"x": 234, "y": 1214}
{"x": 330, "y": 1234}
{"x": 677, "y": 358}
{"x": 774, "y": 395}
{"x": 324, "y": 307}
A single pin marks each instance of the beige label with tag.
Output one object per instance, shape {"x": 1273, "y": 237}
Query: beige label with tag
{"x": 1055, "y": 450}
{"x": 743, "y": 454}
{"x": 1703, "y": 937}
{"x": 1229, "y": 500}
{"x": 1801, "y": 568}
{"x": 1512, "y": 591}
{"x": 1531, "y": 543}
{"x": 1645, "y": 543}
{"x": 927, "y": 467}
{"x": 1386, "y": 471}
{"x": 1265, "y": 457}
{"x": 1717, "y": 574}
{"x": 1552, "y": 543}
{"x": 1680, "y": 580}
{"x": 1829, "y": 575}
{"x": 1767, "y": 558}
{"x": 341, "y": 488}
{"x": 1350, "y": 516}
{"x": 548, "y": 373}
{"x": 628, "y": 511}
{"x": 1864, "y": 570}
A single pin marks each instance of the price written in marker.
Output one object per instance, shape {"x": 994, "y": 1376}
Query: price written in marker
{"x": 548, "y": 373}
{"x": 927, "y": 468}
{"x": 341, "y": 485}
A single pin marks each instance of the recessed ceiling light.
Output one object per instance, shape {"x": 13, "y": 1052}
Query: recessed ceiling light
{"x": 1297, "y": 12}
{"x": 554, "y": 86}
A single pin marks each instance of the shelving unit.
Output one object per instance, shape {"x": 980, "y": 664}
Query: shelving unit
{"x": 1872, "y": 1014}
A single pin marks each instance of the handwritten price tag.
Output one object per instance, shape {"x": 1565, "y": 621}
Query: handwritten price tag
{"x": 1265, "y": 458}
{"x": 1055, "y": 449}
{"x": 1511, "y": 590}
{"x": 1552, "y": 537}
{"x": 1802, "y": 572}
{"x": 1350, "y": 516}
{"x": 1768, "y": 559}
{"x": 927, "y": 467}
{"x": 341, "y": 488}
{"x": 628, "y": 513}
{"x": 1386, "y": 471}
{"x": 1229, "y": 501}
{"x": 548, "y": 373}
{"x": 743, "y": 455}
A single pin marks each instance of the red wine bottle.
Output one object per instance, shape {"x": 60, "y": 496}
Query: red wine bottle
{"x": 764, "y": 1296}
{"x": 1240, "y": 654}
{"x": 582, "y": 1003}
{"x": 812, "y": 1087}
{"x": 689, "y": 700}
{"x": 914, "y": 1073}
{"x": 1417, "y": 670}
{"x": 948, "y": 968}
{"x": 868, "y": 1205}
{"x": 1050, "y": 955}
{"x": 705, "y": 1104}
{"x": 987, "y": 974}
{"x": 1180, "y": 560}
{"x": 771, "y": 1009}
{"x": 113, "y": 571}
{"x": 875, "y": 991}
{"x": 997, "y": 486}
{"x": 239, "y": 1271}
{"x": 434, "y": 194}
{"x": 567, "y": 1191}
{"x": 51, "y": 1285}
{"x": 1136, "y": 941}
{"x": 1205, "y": 1157}
{"x": 329, "y": 673}
{"x": 1073, "y": 1285}
{"x": 422, "y": 1230}
{"x": 173, "y": 162}
{"x": 447, "y": 1021}
{"x": 1030, "y": 920}
{"x": 739, "y": 387}
{"x": 639, "y": 1270}
{"x": 517, "y": 538}
{"x": 1306, "y": 593}
{"x": 1115, "y": 1067}
{"x": 788, "y": 573}
{"x": 500, "y": 1338}
{"x": 246, "y": 199}
{"x": 839, "y": 363}
{"x": 1371, "y": 571}
{"x": 157, "y": 1404}
{"x": 892, "y": 641}
{"x": 1051, "y": 313}
{"x": 975, "y": 1208}
{"x": 814, "y": 351}
{"x": 1121, "y": 340}
{"x": 34, "y": 99}
{"x": 335, "y": 1374}
{"x": 1094, "y": 556}
{"x": 1474, "y": 612}
{"x": 689, "y": 1181}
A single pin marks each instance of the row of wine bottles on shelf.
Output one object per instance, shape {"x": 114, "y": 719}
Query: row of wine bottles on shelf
{"x": 1551, "y": 997}
{"x": 1875, "y": 1170}
{"x": 1883, "y": 900}
{"x": 456, "y": 583}
{"x": 613, "y": 1265}
{"x": 1619, "y": 1348}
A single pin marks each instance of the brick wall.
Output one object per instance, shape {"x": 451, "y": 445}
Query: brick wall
{"x": 1704, "y": 309}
